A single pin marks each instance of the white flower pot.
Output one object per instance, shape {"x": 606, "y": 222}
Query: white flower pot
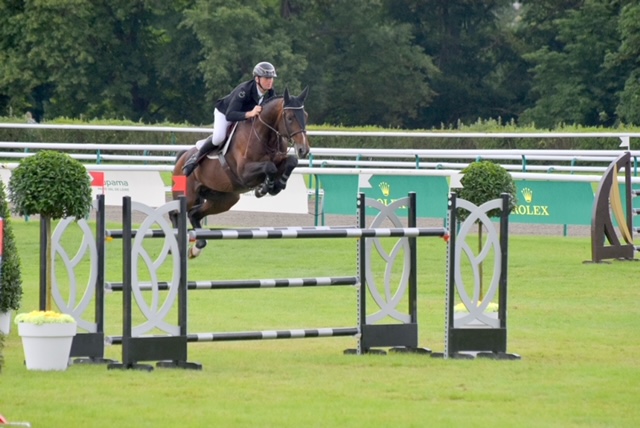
{"x": 47, "y": 346}
{"x": 5, "y": 322}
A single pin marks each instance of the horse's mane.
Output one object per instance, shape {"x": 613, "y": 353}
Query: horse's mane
{"x": 272, "y": 99}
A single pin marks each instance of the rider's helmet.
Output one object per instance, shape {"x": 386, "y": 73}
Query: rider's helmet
{"x": 264, "y": 69}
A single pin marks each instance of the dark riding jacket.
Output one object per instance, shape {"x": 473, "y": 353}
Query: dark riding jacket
{"x": 241, "y": 100}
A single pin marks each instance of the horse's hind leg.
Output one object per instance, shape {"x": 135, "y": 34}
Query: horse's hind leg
{"x": 215, "y": 203}
{"x": 196, "y": 214}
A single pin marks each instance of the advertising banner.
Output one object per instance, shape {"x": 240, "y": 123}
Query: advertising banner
{"x": 145, "y": 187}
{"x": 341, "y": 191}
{"x": 553, "y": 202}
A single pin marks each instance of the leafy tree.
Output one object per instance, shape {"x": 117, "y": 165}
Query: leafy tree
{"x": 364, "y": 66}
{"x": 473, "y": 45}
{"x": 98, "y": 59}
{"x": 234, "y": 37}
{"x": 570, "y": 82}
{"x": 627, "y": 60}
{"x": 10, "y": 272}
{"x": 53, "y": 185}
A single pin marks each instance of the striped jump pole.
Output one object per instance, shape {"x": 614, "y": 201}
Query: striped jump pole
{"x": 410, "y": 232}
{"x": 245, "y": 284}
{"x": 262, "y": 335}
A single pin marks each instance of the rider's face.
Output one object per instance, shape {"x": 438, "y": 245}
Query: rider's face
{"x": 265, "y": 83}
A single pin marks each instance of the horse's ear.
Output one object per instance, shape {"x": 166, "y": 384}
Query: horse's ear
{"x": 287, "y": 97}
{"x": 303, "y": 94}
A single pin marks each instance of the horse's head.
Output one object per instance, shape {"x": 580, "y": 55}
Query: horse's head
{"x": 295, "y": 122}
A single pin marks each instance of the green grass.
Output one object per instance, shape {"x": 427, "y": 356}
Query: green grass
{"x": 575, "y": 325}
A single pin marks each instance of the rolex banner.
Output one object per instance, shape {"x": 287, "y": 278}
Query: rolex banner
{"x": 541, "y": 202}
{"x": 340, "y": 192}
{"x": 553, "y": 202}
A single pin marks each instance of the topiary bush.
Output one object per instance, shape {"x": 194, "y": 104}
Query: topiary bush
{"x": 10, "y": 273}
{"x": 482, "y": 182}
{"x": 55, "y": 186}
{"x": 485, "y": 181}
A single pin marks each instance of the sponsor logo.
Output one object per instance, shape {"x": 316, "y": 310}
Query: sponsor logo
{"x": 530, "y": 209}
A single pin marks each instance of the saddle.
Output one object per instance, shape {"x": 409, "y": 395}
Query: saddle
{"x": 222, "y": 149}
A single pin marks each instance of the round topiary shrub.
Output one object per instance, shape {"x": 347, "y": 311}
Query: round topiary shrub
{"x": 485, "y": 181}
{"x": 51, "y": 184}
{"x": 55, "y": 186}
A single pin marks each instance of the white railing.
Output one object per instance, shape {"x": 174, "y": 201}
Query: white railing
{"x": 344, "y": 161}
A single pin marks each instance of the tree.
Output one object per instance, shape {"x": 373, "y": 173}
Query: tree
{"x": 107, "y": 59}
{"x": 474, "y": 46}
{"x": 570, "y": 82}
{"x": 363, "y": 66}
{"x": 627, "y": 61}
{"x": 55, "y": 186}
{"x": 482, "y": 182}
{"x": 10, "y": 272}
{"x": 234, "y": 36}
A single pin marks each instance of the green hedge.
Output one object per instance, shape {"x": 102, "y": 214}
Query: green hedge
{"x": 130, "y": 137}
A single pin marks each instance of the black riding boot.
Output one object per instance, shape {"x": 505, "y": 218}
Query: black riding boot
{"x": 195, "y": 159}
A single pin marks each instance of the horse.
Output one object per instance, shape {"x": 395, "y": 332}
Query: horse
{"x": 256, "y": 158}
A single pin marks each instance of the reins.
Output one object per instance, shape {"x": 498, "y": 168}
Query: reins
{"x": 290, "y": 135}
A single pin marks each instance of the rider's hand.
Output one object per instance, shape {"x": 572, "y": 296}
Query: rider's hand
{"x": 255, "y": 112}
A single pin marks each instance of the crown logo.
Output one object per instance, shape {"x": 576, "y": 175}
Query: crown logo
{"x": 385, "y": 187}
{"x": 528, "y": 194}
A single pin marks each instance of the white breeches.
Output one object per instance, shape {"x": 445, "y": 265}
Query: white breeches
{"x": 220, "y": 125}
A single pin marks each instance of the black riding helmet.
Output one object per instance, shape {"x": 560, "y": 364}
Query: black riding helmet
{"x": 264, "y": 69}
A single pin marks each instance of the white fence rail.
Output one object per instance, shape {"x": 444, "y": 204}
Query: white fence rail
{"x": 561, "y": 164}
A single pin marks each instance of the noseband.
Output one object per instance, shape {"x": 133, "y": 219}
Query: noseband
{"x": 290, "y": 135}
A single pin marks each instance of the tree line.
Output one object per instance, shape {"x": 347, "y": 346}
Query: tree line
{"x": 412, "y": 64}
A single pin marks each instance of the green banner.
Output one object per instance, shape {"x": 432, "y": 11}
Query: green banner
{"x": 432, "y": 193}
{"x": 341, "y": 192}
{"x": 539, "y": 202}
{"x": 553, "y": 202}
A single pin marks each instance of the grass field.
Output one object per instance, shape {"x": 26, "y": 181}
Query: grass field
{"x": 575, "y": 325}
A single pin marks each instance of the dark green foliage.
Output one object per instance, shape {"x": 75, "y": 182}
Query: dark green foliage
{"x": 51, "y": 184}
{"x": 10, "y": 274}
{"x": 485, "y": 181}
{"x": 393, "y": 63}
{"x": 1, "y": 351}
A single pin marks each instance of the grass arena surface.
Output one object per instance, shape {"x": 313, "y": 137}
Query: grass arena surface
{"x": 575, "y": 325}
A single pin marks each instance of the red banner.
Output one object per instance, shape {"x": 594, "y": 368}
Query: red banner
{"x": 180, "y": 184}
{"x": 97, "y": 178}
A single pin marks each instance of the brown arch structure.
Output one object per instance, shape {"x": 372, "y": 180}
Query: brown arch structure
{"x": 606, "y": 241}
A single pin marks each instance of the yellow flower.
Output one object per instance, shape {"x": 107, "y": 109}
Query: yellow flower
{"x": 491, "y": 307}
{"x": 43, "y": 317}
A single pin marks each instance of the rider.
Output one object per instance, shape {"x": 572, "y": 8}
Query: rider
{"x": 244, "y": 102}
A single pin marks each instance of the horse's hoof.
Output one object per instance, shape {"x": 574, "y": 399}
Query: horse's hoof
{"x": 260, "y": 192}
{"x": 194, "y": 252}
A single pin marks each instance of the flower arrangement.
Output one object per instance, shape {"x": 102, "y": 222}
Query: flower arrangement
{"x": 491, "y": 307}
{"x": 43, "y": 317}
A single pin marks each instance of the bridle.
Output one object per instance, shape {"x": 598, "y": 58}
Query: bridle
{"x": 290, "y": 135}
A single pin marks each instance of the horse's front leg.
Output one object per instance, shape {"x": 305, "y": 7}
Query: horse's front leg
{"x": 284, "y": 172}
{"x": 261, "y": 173}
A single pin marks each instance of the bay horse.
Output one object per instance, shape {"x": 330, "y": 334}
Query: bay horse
{"x": 256, "y": 159}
